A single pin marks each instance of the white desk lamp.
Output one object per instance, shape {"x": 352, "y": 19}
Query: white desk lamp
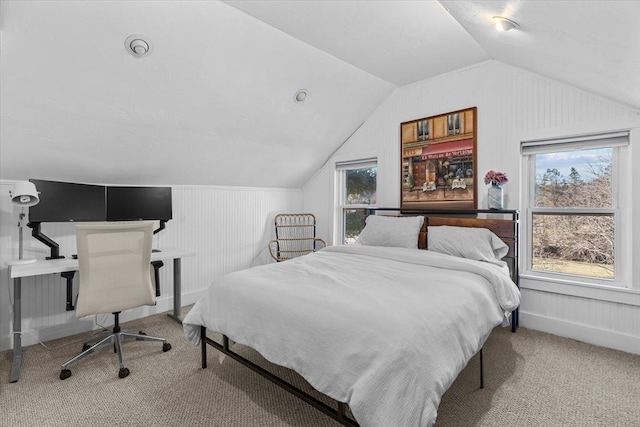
{"x": 24, "y": 194}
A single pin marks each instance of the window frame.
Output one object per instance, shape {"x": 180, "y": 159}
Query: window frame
{"x": 340, "y": 169}
{"x": 620, "y": 210}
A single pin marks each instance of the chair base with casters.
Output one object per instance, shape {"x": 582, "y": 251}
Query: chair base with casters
{"x": 114, "y": 339}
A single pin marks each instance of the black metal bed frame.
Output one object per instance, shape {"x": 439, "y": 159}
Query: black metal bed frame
{"x": 340, "y": 413}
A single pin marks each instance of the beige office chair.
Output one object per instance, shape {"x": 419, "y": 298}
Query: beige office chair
{"x": 295, "y": 236}
{"x": 114, "y": 275}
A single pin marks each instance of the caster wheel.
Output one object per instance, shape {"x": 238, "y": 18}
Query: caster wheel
{"x": 124, "y": 372}
{"x": 166, "y": 347}
{"x": 64, "y": 374}
{"x": 85, "y": 347}
{"x": 140, "y": 333}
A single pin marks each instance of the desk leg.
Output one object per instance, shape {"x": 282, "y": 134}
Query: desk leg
{"x": 177, "y": 291}
{"x": 17, "y": 331}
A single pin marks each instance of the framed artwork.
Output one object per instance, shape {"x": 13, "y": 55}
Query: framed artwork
{"x": 438, "y": 161}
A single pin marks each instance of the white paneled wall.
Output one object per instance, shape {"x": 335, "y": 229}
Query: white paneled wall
{"x": 599, "y": 322}
{"x": 228, "y": 228}
{"x": 513, "y": 105}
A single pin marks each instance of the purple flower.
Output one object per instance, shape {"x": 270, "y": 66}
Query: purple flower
{"x": 495, "y": 178}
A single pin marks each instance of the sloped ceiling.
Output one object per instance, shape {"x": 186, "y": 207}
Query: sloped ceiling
{"x": 398, "y": 41}
{"x": 591, "y": 44}
{"x": 214, "y": 102}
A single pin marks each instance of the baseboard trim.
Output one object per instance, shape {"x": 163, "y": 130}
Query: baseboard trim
{"x": 585, "y": 333}
{"x": 560, "y": 327}
{"x": 78, "y": 326}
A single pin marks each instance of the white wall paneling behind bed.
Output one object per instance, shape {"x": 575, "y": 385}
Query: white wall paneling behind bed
{"x": 513, "y": 105}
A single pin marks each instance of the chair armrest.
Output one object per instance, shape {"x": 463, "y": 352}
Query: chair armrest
{"x": 273, "y": 251}
{"x": 319, "y": 240}
{"x": 283, "y": 253}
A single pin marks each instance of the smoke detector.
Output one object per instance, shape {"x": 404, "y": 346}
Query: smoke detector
{"x": 138, "y": 46}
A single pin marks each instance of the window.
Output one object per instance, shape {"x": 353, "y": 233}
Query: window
{"x": 572, "y": 187}
{"x": 357, "y": 188}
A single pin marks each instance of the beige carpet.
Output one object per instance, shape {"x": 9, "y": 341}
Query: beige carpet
{"x": 531, "y": 379}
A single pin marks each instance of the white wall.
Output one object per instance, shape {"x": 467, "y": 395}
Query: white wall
{"x": 513, "y": 105}
{"x": 228, "y": 228}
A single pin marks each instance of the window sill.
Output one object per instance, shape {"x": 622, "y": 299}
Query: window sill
{"x": 582, "y": 290}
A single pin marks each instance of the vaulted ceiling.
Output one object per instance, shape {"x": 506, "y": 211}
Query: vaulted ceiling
{"x": 213, "y": 103}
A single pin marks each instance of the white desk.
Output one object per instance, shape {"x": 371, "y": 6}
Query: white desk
{"x": 52, "y": 266}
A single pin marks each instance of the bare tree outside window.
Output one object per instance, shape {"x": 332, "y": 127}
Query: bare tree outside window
{"x": 573, "y": 223}
{"x": 359, "y": 190}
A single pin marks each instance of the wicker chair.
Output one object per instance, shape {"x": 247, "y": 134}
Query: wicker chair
{"x": 295, "y": 236}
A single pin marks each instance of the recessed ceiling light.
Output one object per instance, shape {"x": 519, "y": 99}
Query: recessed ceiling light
{"x": 504, "y": 24}
{"x": 301, "y": 95}
{"x": 138, "y": 46}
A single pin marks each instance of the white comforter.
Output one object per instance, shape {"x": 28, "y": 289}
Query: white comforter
{"x": 386, "y": 330}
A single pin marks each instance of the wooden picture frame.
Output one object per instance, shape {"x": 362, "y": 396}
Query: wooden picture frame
{"x": 438, "y": 161}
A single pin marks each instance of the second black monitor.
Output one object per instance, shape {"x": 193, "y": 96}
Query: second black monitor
{"x": 138, "y": 203}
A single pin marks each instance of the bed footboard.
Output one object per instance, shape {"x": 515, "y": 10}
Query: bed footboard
{"x": 339, "y": 414}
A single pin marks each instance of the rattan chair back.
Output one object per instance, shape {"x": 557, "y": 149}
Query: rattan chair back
{"x": 295, "y": 236}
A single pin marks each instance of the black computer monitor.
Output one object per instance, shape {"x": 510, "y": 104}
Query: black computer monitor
{"x": 139, "y": 203}
{"x": 66, "y": 201}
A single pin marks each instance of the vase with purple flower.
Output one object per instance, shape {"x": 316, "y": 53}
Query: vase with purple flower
{"x": 494, "y": 193}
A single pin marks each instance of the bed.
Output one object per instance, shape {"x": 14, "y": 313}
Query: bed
{"x": 381, "y": 327}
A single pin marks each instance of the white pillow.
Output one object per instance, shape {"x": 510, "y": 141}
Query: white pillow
{"x": 467, "y": 242}
{"x": 393, "y": 231}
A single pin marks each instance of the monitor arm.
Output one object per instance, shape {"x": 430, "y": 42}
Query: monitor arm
{"x": 37, "y": 233}
{"x": 162, "y": 226}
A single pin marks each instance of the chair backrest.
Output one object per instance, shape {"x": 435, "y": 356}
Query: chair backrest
{"x": 295, "y": 236}
{"x": 114, "y": 260}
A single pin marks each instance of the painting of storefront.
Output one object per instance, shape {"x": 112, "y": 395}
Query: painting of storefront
{"x": 438, "y": 161}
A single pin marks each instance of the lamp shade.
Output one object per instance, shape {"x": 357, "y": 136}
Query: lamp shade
{"x": 24, "y": 194}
